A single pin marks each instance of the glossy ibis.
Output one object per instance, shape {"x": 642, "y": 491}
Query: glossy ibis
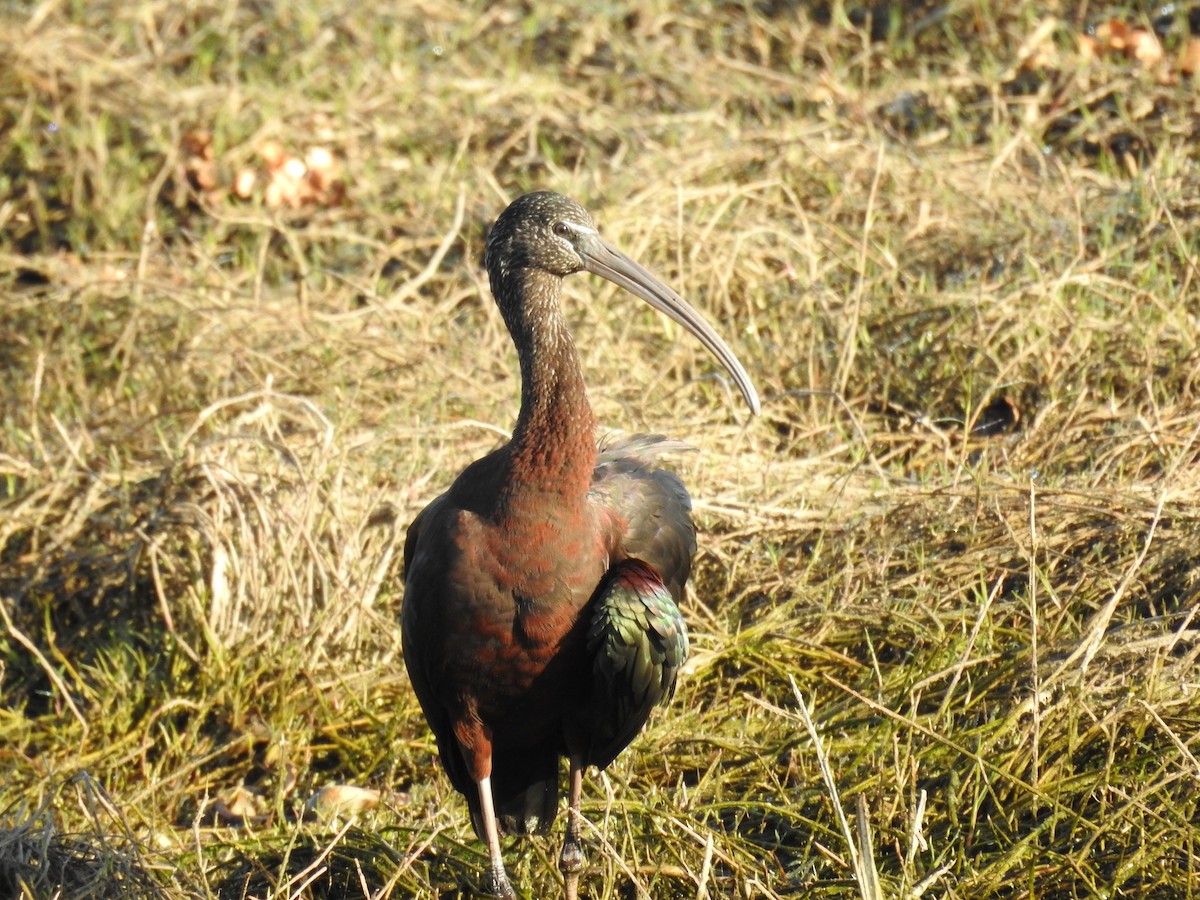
{"x": 541, "y": 591}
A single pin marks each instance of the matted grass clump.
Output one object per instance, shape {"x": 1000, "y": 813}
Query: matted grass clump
{"x": 944, "y": 616}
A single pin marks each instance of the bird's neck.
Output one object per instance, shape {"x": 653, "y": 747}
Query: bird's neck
{"x": 553, "y": 448}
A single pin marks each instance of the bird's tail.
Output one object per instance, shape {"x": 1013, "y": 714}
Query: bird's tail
{"x": 524, "y": 791}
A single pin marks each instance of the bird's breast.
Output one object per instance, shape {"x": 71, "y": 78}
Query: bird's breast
{"x": 517, "y": 633}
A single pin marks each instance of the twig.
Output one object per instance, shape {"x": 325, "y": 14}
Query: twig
{"x": 862, "y": 858}
{"x": 419, "y": 280}
{"x": 55, "y": 678}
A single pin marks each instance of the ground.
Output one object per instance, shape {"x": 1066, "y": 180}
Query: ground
{"x": 943, "y": 621}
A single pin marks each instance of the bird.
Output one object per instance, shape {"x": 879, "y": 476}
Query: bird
{"x": 540, "y": 618}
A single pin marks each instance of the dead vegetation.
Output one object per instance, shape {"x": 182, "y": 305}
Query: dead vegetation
{"x": 961, "y": 539}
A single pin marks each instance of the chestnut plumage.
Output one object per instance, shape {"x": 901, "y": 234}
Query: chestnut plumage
{"x": 541, "y": 599}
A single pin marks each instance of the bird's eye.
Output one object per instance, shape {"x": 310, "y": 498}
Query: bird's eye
{"x": 561, "y": 229}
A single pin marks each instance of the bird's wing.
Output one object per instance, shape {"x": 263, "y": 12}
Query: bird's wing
{"x": 651, "y": 503}
{"x": 637, "y": 642}
{"x": 413, "y": 537}
{"x": 422, "y": 618}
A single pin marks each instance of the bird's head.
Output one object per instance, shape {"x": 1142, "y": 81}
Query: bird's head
{"x": 542, "y": 230}
{"x": 549, "y": 233}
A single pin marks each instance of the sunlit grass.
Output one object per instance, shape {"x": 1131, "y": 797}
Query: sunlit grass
{"x": 962, "y": 534}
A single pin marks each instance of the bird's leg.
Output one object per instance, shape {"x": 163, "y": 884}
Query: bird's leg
{"x": 570, "y": 861}
{"x": 497, "y": 883}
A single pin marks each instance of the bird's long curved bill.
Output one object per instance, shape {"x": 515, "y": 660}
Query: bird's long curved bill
{"x": 603, "y": 259}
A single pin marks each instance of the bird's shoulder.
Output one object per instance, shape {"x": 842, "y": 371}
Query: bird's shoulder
{"x": 628, "y": 473}
{"x": 452, "y": 516}
{"x": 651, "y": 505}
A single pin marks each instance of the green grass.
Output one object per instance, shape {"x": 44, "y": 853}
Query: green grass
{"x": 217, "y": 419}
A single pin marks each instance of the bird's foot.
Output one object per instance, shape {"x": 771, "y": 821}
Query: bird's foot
{"x": 498, "y": 885}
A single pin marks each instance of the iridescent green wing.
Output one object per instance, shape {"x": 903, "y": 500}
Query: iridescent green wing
{"x": 637, "y": 642}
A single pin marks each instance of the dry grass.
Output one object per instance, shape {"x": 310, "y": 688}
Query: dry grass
{"x": 936, "y": 653}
